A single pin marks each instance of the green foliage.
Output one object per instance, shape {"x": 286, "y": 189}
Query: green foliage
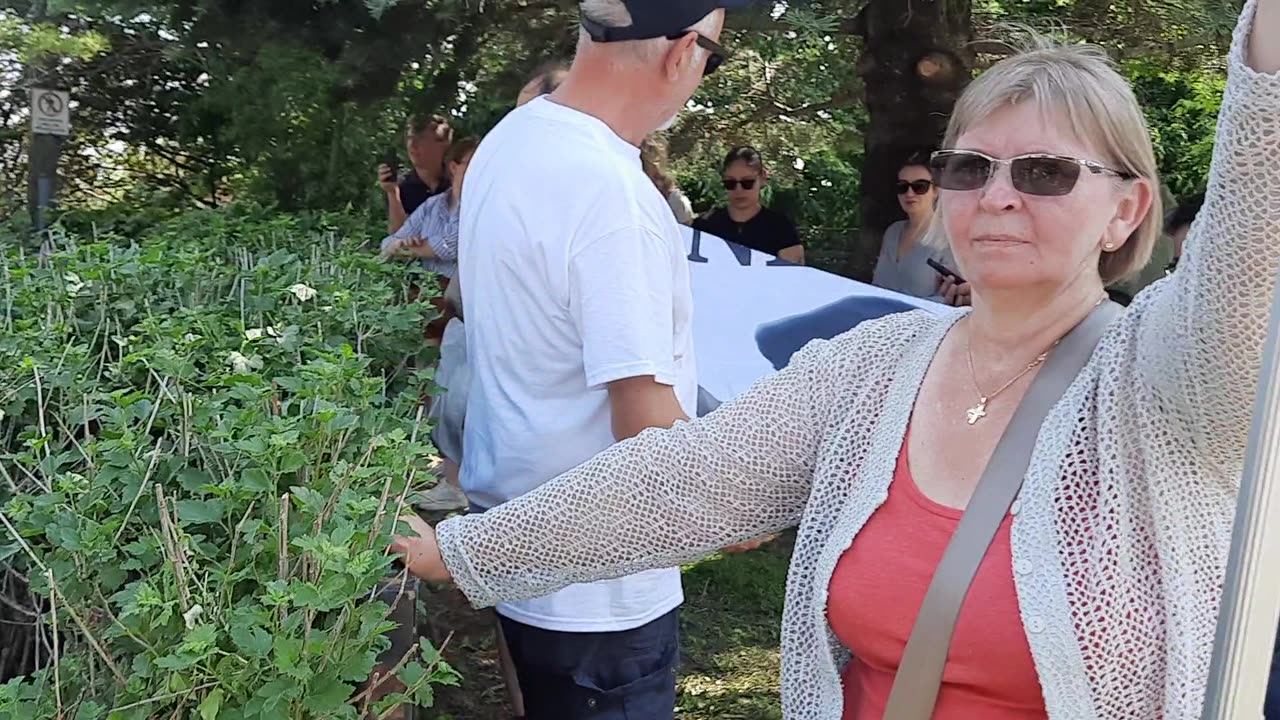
{"x": 207, "y": 433}
{"x": 1182, "y": 112}
{"x": 198, "y": 101}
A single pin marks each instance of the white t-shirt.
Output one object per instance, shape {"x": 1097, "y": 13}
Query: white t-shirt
{"x": 575, "y": 277}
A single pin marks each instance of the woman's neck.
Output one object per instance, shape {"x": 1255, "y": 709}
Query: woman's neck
{"x": 919, "y": 221}
{"x": 1002, "y": 325}
{"x": 455, "y": 197}
{"x": 916, "y": 226}
{"x": 744, "y": 214}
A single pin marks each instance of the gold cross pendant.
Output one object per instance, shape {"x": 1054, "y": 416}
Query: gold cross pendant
{"x": 977, "y": 412}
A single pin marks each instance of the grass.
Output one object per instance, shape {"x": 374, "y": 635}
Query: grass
{"x": 730, "y": 624}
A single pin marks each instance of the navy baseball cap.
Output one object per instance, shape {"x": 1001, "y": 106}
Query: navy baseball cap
{"x": 652, "y": 19}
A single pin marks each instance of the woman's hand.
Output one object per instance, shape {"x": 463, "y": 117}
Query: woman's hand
{"x": 1264, "y": 39}
{"x": 953, "y": 293}
{"x": 411, "y": 247}
{"x": 421, "y": 553}
{"x": 387, "y": 180}
{"x": 749, "y": 545}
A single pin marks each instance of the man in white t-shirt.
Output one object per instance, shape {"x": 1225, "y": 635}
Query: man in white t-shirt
{"x": 579, "y": 332}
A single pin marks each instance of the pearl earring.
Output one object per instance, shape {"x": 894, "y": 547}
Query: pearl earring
{"x": 1109, "y": 247}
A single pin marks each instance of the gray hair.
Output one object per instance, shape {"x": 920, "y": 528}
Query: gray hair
{"x": 613, "y": 13}
{"x": 1081, "y": 82}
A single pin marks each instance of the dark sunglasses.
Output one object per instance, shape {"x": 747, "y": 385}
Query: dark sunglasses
{"x": 716, "y": 54}
{"x": 733, "y": 183}
{"x": 919, "y": 187}
{"x": 1034, "y": 174}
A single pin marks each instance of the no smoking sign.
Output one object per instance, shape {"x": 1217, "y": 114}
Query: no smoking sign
{"x": 50, "y": 112}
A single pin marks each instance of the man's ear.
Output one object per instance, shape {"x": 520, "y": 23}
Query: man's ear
{"x": 680, "y": 56}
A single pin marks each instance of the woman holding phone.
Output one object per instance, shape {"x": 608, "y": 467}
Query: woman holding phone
{"x": 907, "y": 264}
{"x": 1098, "y": 593}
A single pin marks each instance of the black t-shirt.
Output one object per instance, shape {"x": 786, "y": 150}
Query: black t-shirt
{"x": 769, "y": 232}
{"x": 414, "y": 192}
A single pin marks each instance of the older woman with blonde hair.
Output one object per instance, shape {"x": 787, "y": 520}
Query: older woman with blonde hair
{"x": 1098, "y": 594}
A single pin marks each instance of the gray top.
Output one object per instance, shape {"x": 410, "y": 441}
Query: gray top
{"x": 911, "y": 274}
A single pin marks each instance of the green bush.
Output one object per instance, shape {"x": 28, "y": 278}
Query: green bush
{"x": 207, "y": 431}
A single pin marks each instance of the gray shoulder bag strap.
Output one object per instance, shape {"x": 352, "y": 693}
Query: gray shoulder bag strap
{"x": 919, "y": 676}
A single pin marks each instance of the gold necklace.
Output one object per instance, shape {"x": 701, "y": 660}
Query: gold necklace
{"x": 979, "y": 411}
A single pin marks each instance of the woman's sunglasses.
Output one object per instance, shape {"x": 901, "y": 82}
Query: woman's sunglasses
{"x": 919, "y": 187}
{"x": 716, "y": 54}
{"x": 733, "y": 183}
{"x": 1034, "y": 174}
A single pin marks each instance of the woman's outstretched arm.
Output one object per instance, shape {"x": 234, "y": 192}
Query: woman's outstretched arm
{"x": 660, "y": 499}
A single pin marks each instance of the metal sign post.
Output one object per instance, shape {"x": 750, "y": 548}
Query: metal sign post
{"x": 50, "y": 122}
{"x": 1251, "y": 594}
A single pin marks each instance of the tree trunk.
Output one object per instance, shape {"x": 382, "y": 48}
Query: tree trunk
{"x": 915, "y": 63}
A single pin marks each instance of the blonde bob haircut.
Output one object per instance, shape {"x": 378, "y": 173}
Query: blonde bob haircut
{"x": 1080, "y": 85}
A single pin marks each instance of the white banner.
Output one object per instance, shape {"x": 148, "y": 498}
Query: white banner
{"x": 752, "y": 311}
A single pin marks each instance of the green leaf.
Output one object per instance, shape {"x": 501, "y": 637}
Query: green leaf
{"x": 291, "y": 460}
{"x": 288, "y": 650}
{"x": 342, "y": 422}
{"x": 252, "y": 640}
{"x": 252, "y": 445}
{"x": 142, "y": 666}
{"x": 326, "y": 697}
{"x": 256, "y": 480}
{"x": 412, "y": 674}
{"x": 390, "y": 701}
{"x": 178, "y": 661}
{"x": 306, "y": 595}
{"x": 310, "y": 499}
{"x": 200, "y": 512}
{"x": 211, "y": 705}
{"x": 90, "y": 710}
{"x": 246, "y": 393}
{"x": 193, "y": 479}
{"x": 276, "y": 696}
{"x": 110, "y": 577}
{"x": 425, "y": 694}
{"x": 201, "y": 638}
{"x": 357, "y": 666}
{"x": 429, "y": 653}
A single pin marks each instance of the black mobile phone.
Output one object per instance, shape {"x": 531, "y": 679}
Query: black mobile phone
{"x": 945, "y": 271}
{"x": 392, "y": 161}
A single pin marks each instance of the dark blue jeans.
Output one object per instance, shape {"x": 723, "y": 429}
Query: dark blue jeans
{"x": 626, "y": 675}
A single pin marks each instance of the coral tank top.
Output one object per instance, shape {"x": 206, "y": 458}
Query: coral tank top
{"x": 877, "y": 589}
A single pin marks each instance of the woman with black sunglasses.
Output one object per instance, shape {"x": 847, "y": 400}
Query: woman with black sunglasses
{"x": 903, "y": 263}
{"x": 746, "y": 220}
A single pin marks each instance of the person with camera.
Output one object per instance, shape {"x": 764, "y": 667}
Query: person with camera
{"x": 427, "y": 140}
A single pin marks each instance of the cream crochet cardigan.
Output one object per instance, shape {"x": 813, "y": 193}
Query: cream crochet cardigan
{"x": 1121, "y": 532}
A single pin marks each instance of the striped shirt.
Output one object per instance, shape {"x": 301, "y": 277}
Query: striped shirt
{"x": 435, "y": 222}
